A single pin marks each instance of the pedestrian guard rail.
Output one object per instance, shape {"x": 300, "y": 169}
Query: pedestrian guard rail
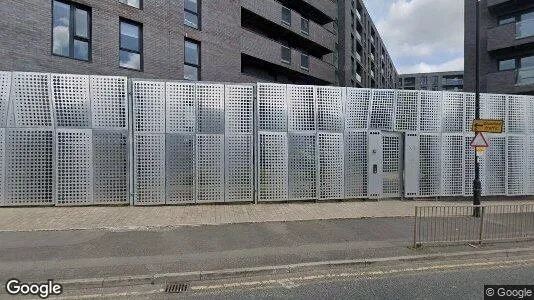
{"x": 450, "y": 224}
{"x": 89, "y": 140}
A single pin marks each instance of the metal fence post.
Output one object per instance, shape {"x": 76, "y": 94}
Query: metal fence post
{"x": 415, "y": 228}
{"x": 481, "y": 233}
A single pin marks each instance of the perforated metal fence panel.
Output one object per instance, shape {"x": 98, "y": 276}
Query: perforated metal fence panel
{"x": 5, "y": 91}
{"x": 469, "y": 111}
{"x": 149, "y": 106}
{"x": 330, "y": 109}
{"x": 452, "y": 164}
{"x": 149, "y": 166}
{"x": 516, "y": 168}
{"x": 430, "y": 111}
{"x": 302, "y": 108}
{"x": 180, "y": 107}
{"x": 210, "y": 168}
{"x": 530, "y": 165}
{"x": 331, "y": 165}
{"x": 411, "y": 165}
{"x": 355, "y": 164}
{"x": 302, "y": 166}
{"x": 517, "y": 116}
{"x": 407, "y": 112}
{"x": 392, "y": 153}
{"x": 273, "y": 166}
{"x": 453, "y": 112}
{"x": 382, "y": 108}
{"x": 30, "y": 101}
{"x": 109, "y": 102}
{"x": 429, "y": 165}
{"x": 357, "y": 109}
{"x": 70, "y": 98}
{"x": 495, "y": 166}
{"x": 493, "y": 107}
{"x": 374, "y": 168}
{"x": 180, "y": 168}
{"x": 210, "y": 108}
{"x": 272, "y": 107}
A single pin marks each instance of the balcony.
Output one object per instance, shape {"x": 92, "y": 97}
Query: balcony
{"x": 326, "y": 7}
{"x": 359, "y": 78}
{"x": 452, "y": 81}
{"x": 358, "y": 36}
{"x": 271, "y": 10}
{"x": 358, "y": 57}
{"x": 269, "y": 50}
{"x": 511, "y": 35}
{"x": 497, "y": 2}
{"x": 358, "y": 15}
{"x": 511, "y": 82}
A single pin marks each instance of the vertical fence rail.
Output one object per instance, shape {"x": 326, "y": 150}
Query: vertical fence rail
{"x": 449, "y": 224}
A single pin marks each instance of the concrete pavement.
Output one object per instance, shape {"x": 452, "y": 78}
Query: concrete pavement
{"x": 142, "y": 218}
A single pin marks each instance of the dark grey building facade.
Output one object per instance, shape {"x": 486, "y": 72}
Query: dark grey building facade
{"x": 506, "y": 46}
{"x": 363, "y": 58}
{"x": 437, "y": 81}
{"x": 286, "y": 41}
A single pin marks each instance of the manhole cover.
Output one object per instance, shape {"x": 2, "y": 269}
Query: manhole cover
{"x": 176, "y": 288}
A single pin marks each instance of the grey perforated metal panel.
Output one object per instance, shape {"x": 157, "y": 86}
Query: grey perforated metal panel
{"x": 430, "y": 111}
{"x": 272, "y": 107}
{"x": 273, "y": 166}
{"x": 29, "y": 167}
{"x": 2, "y": 166}
{"x": 302, "y": 108}
{"x": 429, "y": 165}
{"x": 355, "y": 164}
{"x": 70, "y": 99}
{"x": 392, "y": 149}
{"x": 331, "y": 165}
{"x": 495, "y": 165}
{"x": 109, "y": 101}
{"x": 407, "y": 111}
{"x": 330, "y": 109}
{"x": 518, "y": 108}
{"x": 180, "y": 168}
{"x": 210, "y": 108}
{"x": 493, "y": 107}
{"x": 5, "y": 88}
{"x": 180, "y": 110}
{"x": 149, "y": 106}
{"x": 469, "y": 111}
{"x": 239, "y": 109}
{"x": 411, "y": 165}
{"x": 374, "y": 170}
{"x": 357, "y": 108}
{"x": 74, "y": 159}
{"x": 530, "y": 165}
{"x": 30, "y": 98}
{"x": 210, "y": 168}
{"x": 239, "y": 168}
{"x": 382, "y": 107}
{"x": 452, "y": 164}
{"x": 453, "y": 112}
{"x": 530, "y": 114}
{"x": 149, "y": 166}
{"x": 302, "y": 166}
{"x": 110, "y": 166}
{"x": 516, "y": 154}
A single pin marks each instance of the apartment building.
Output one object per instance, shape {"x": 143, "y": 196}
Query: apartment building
{"x": 506, "y": 46}
{"x": 438, "y": 81}
{"x": 363, "y": 58}
{"x": 286, "y": 41}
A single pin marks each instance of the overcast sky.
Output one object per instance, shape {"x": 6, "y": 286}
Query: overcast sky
{"x": 421, "y": 35}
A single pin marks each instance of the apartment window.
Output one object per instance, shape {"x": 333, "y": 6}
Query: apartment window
{"x": 134, "y": 3}
{"x": 192, "y": 13}
{"x": 508, "y": 64}
{"x": 286, "y": 16}
{"x": 305, "y": 26}
{"x": 527, "y": 62}
{"x": 304, "y": 61}
{"x": 352, "y": 66}
{"x": 506, "y": 20}
{"x": 191, "y": 60}
{"x": 434, "y": 79}
{"x": 131, "y": 45}
{"x": 71, "y": 30}
{"x": 423, "y": 80}
{"x": 286, "y": 55}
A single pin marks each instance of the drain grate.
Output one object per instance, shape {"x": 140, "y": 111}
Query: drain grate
{"x": 176, "y": 288}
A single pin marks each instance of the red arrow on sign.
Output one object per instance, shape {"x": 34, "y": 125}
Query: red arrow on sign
{"x": 479, "y": 141}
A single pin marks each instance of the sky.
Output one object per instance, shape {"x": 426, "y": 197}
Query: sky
{"x": 421, "y": 35}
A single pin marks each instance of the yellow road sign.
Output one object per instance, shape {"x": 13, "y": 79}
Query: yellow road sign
{"x": 491, "y": 126}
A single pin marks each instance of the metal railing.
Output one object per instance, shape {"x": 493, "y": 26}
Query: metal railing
{"x": 449, "y": 224}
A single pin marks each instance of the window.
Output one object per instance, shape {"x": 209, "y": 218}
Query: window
{"x": 192, "y": 13}
{"x": 434, "y": 79}
{"x": 506, "y": 20}
{"x": 527, "y": 62}
{"x": 191, "y": 60}
{"x": 423, "y": 80}
{"x": 286, "y": 16}
{"x": 304, "y": 61}
{"x": 286, "y": 55}
{"x": 71, "y": 30}
{"x": 305, "y": 26}
{"x": 131, "y": 46}
{"x": 508, "y": 64}
{"x": 134, "y": 3}
{"x": 352, "y": 42}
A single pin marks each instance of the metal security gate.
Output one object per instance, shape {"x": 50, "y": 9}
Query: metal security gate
{"x": 392, "y": 164}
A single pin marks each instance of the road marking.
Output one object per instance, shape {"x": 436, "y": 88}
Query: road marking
{"x": 369, "y": 274}
{"x": 113, "y": 295}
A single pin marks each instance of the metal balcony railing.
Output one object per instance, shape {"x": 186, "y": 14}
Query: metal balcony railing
{"x": 525, "y": 76}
